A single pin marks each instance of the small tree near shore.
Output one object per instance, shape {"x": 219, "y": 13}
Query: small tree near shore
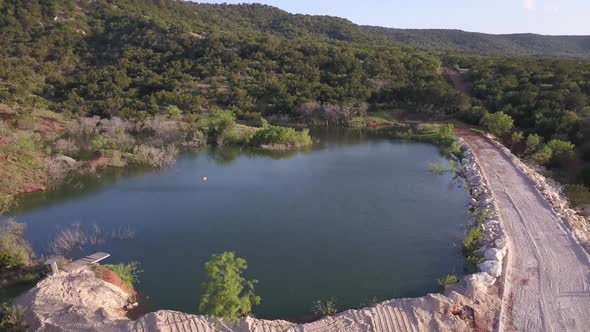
{"x": 226, "y": 294}
{"x": 497, "y": 123}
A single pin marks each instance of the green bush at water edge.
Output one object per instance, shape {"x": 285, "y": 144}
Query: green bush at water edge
{"x": 226, "y": 293}
{"x": 12, "y": 318}
{"x": 129, "y": 273}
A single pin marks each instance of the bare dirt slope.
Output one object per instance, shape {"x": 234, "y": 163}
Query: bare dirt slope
{"x": 547, "y": 282}
{"x": 457, "y": 80}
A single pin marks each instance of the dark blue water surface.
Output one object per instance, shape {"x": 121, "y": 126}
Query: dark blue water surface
{"x": 354, "y": 218}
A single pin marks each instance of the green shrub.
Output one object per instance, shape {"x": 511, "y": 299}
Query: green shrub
{"x": 325, "y": 308}
{"x": 532, "y": 143}
{"x": 543, "y": 155}
{"x": 129, "y": 273}
{"x": 471, "y": 239}
{"x": 453, "y": 149}
{"x": 435, "y": 168}
{"x": 173, "y": 111}
{"x": 474, "y": 260}
{"x": 217, "y": 124}
{"x": 281, "y": 135}
{"x": 561, "y": 149}
{"x": 15, "y": 252}
{"x": 497, "y": 123}
{"x": 6, "y": 202}
{"x": 30, "y": 277}
{"x": 577, "y": 194}
{"x": 226, "y": 294}
{"x": 12, "y": 318}
{"x": 449, "y": 279}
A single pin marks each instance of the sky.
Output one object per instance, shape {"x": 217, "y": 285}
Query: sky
{"x": 551, "y": 17}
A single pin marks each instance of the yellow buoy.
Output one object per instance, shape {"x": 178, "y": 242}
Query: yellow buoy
{"x": 204, "y": 179}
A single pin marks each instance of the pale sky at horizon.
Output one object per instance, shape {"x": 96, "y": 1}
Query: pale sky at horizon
{"x": 551, "y": 17}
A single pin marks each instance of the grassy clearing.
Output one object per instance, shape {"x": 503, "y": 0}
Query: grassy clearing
{"x": 374, "y": 120}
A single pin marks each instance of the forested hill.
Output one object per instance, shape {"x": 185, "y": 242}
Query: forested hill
{"x": 274, "y": 20}
{"x": 508, "y": 44}
{"x": 137, "y": 58}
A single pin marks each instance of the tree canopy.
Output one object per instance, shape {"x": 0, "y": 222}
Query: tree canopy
{"x": 226, "y": 293}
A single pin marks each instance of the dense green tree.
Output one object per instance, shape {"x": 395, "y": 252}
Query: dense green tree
{"x": 532, "y": 143}
{"x": 226, "y": 293}
{"x": 498, "y": 123}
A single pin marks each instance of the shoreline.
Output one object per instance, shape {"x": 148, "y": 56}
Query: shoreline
{"x": 474, "y": 301}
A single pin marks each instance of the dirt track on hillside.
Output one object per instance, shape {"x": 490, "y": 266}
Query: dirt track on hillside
{"x": 547, "y": 281}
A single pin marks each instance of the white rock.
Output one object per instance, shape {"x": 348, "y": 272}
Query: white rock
{"x": 493, "y": 254}
{"x": 478, "y": 282}
{"x": 491, "y": 267}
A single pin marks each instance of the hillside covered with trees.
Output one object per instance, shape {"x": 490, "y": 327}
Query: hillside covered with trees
{"x": 523, "y": 44}
{"x": 133, "y": 59}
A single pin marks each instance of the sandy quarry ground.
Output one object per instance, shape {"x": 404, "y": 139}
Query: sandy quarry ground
{"x": 79, "y": 301}
{"x": 547, "y": 280}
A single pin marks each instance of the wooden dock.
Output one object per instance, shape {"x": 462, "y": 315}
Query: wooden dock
{"x": 85, "y": 262}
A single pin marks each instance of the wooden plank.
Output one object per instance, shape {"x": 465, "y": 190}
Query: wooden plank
{"x": 85, "y": 262}
{"x": 97, "y": 257}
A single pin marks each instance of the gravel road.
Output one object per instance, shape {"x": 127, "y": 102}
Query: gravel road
{"x": 547, "y": 281}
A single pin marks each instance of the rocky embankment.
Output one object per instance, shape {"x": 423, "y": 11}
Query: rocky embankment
{"x": 493, "y": 244}
{"x": 80, "y": 301}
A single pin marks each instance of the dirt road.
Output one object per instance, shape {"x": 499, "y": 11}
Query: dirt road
{"x": 547, "y": 282}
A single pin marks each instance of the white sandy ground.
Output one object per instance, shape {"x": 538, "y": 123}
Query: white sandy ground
{"x": 79, "y": 301}
{"x": 547, "y": 281}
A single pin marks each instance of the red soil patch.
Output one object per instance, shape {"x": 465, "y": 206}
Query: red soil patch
{"x": 4, "y": 140}
{"x": 99, "y": 162}
{"x": 7, "y": 116}
{"x": 111, "y": 277}
{"x": 48, "y": 125}
{"x": 27, "y": 181}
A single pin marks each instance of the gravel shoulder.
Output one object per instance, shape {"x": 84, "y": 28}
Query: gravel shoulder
{"x": 547, "y": 273}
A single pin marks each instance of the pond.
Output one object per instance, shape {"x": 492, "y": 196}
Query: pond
{"x": 355, "y": 217}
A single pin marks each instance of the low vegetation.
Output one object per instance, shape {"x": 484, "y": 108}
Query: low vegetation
{"x": 448, "y": 280}
{"x": 578, "y": 195}
{"x": 129, "y": 273}
{"x": 436, "y": 168}
{"x": 226, "y": 293}
{"x": 75, "y": 237}
{"x": 275, "y": 137}
{"x": 472, "y": 237}
{"x": 12, "y": 318}
{"x": 325, "y": 308}
{"x": 15, "y": 252}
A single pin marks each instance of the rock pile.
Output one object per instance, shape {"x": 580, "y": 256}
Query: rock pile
{"x": 493, "y": 245}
